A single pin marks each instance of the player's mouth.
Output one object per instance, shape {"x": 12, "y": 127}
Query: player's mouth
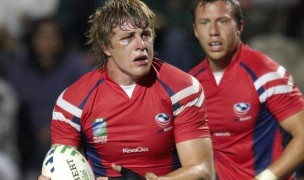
{"x": 215, "y": 45}
{"x": 143, "y": 59}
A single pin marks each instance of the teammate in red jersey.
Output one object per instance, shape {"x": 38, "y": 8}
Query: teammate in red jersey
{"x": 252, "y": 102}
{"x": 134, "y": 110}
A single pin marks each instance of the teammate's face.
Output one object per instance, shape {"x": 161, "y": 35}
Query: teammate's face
{"x": 131, "y": 54}
{"x": 217, "y": 31}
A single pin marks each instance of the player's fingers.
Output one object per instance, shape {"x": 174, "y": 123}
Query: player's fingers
{"x": 102, "y": 178}
{"x": 150, "y": 176}
{"x": 116, "y": 167}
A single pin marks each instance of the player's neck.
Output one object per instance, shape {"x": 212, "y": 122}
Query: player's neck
{"x": 118, "y": 76}
{"x": 219, "y": 65}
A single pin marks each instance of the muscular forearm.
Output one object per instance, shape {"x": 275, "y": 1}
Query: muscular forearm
{"x": 290, "y": 158}
{"x": 197, "y": 172}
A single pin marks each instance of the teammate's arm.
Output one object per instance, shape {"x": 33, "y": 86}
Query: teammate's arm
{"x": 293, "y": 153}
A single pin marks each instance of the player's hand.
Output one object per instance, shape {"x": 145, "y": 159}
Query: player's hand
{"x": 151, "y": 176}
{"x": 43, "y": 178}
{"x": 126, "y": 173}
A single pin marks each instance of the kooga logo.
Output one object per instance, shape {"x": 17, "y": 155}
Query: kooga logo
{"x": 135, "y": 150}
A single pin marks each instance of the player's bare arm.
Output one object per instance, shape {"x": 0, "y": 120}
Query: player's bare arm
{"x": 293, "y": 153}
{"x": 196, "y": 159}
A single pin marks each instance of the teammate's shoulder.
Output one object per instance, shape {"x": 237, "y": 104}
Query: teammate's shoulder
{"x": 257, "y": 60}
{"x": 199, "y": 68}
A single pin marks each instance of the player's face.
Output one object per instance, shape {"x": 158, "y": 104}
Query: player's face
{"x": 131, "y": 54}
{"x": 217, "y": 31}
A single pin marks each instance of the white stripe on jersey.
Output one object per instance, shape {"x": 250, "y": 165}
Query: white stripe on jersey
{"x": 271, "y": 76}
{"x": 278, "y": 89}
{"x": 275, "y": 90}
{"x": 185, "y": 93}
{"x": 200, "y": 100}
{"x": 75, "y": 111}
{"x": 60, "y": 117}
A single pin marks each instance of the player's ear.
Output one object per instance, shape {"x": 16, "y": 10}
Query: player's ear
{"x": 194, "y": 29}
{"x": 106, "y": 51}
{"x": 238, "y": 32}
{"x": 240, "y": 28}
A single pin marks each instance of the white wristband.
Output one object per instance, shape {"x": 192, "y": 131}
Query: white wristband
{"x": 266, "y": 175}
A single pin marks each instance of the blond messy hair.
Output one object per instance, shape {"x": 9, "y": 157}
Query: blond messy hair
{"x": 114, "y": 14}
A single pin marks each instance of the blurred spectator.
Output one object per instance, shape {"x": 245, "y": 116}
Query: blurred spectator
{"x": 8, "y": 48}
{"x": 73, "y": 15}
{"x": 14, "y": 18}
{"x": 265, "y": 16}
{"x": 9, "y": 169}
{"x": 12, "y": 13}
{"x": 38, "y": 76}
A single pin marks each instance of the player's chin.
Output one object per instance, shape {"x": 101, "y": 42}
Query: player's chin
{"x": 140, "y": 73}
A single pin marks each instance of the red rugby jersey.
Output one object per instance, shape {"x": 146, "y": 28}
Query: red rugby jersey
{"x": 244, "y": 111}
{"x": 140, "y": 132}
